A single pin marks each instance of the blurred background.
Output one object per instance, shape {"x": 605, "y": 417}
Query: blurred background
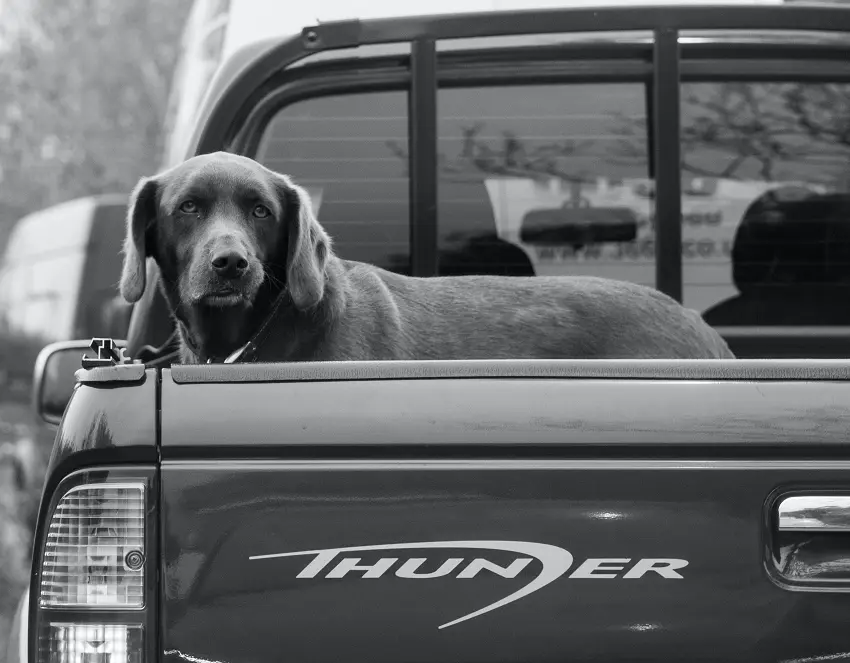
{"x": 84, "y": 93}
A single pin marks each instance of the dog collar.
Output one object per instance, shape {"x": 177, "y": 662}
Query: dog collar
{"x": 247, "y": 352}
{"x": 233, "y": 356}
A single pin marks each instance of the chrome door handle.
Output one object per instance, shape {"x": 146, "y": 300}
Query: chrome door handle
{"x": 814, "y": 513}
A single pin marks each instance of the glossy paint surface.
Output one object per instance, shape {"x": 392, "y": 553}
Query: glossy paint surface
{"x": 109, "y": 421}
{"x": 262, "y": 416}
{"x": 256, "y": 470}
{"x": 221, "y": 605}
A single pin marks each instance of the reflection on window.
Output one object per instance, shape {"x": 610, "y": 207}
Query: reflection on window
{"x": 545, "y": 179}
{"x": 349, "y": 152}
{"x": 766, "y": 202}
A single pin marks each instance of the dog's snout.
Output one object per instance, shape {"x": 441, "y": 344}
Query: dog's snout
{"x": 230, "y": 264}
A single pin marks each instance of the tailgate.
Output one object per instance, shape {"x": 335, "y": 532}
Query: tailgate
{"x": 499, "y": 517}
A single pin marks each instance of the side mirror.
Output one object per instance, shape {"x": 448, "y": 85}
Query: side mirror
{"x": 54, "y": 377}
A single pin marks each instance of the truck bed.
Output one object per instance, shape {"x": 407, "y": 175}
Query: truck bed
{"x": 502, "y": 511}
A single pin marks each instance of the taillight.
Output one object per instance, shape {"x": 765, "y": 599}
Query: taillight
{"x": 95, "y": 549}
{"x": 91, "y": 643}
{"x": 94, "y": 586}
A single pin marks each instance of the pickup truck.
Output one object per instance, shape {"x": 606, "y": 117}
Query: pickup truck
{"x": 255, "y": 512}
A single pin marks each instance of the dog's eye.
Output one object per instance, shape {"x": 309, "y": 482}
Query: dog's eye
{"x": 261, "y": 211}
{"x": 189, "y": 207}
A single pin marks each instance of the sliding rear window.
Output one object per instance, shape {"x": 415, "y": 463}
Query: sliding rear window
{"x": 555, "y": 177}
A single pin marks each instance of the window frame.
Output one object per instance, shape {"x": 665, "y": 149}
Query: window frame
{"x": 581, "y": 64}
{"x": 232, "y": 100}
{"x": 515, "y": 65}
{"x": 626, "y": 62}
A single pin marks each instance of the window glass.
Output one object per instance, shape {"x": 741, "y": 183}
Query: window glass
{"x": 39, "y": 298}
{"x": 350, "y": 153}
{"x": 546, "y": 180}
{"x": 766, "y": 202}
{"x": 42, "y": 270}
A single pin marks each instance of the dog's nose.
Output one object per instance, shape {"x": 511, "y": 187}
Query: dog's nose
{"x": 230, "y": 264}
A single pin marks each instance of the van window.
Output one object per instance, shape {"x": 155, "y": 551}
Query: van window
{"x": 546, "y": 180}
{"x": 349, "y": 152}
{"x": 766, "y": 202}
{"x": 42, "y": 270}
{"x": 38, "y": 297}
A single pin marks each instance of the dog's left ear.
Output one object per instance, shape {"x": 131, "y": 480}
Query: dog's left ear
{"x": 308, "y": 250}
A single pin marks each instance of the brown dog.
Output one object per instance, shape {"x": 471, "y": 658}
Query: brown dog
{"x": 242, "y": 259}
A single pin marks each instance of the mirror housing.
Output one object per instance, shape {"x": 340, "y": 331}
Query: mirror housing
{"x": 54, "y": 377}
{"x": 579, "y": 226}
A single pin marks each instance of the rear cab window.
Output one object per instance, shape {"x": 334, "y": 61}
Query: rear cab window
{"x": 345, "y": 151}
{"x": 545, "y": 166}
{"x": 767, "y": 213}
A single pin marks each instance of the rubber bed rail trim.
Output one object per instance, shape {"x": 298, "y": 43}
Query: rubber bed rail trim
{"x": 605, "y": 369}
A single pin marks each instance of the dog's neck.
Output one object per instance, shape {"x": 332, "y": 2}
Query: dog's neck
{"x": 211, "y": 334}
{"x": 272, "y": 311}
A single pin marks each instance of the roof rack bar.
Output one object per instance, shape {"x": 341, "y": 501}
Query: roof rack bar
{"x": 422, "y": 156}
{"x": 605, "y": 19}
{"x": 667, "y": 160}
{"x": 338, "y": 34}
{"x": 227, "y": 106}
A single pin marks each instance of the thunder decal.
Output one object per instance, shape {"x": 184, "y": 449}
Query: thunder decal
{"x": 554, "y": 561}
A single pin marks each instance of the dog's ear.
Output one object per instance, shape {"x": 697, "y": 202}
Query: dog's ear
{"x": 141, "y": 214}
{"x": 308, "y": 249}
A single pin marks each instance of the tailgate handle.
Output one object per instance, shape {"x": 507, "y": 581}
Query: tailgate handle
{"x": 814, "y": 513}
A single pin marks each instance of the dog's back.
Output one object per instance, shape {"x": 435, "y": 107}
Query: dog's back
{"x": 387, "y": 315}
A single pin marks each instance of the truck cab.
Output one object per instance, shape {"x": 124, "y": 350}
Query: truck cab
{"x": 538, "y": 152}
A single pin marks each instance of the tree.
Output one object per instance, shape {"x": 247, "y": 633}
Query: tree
{"x": 85, "y": 85}
{"x": 83, "y": 93}
{"x": 771, "y": 132}
{"x": 507, "y": 156}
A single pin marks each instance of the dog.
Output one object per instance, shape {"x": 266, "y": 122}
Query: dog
{"x": 245, "y": 266}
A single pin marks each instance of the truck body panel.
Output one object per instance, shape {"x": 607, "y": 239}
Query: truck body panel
{"x": 639, "y": 510}
{"x": 108, "y": 418}
{"x": 220, "y": 604}
{"x": 491, "y": 404}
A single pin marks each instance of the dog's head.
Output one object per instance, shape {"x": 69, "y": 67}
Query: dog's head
{"x": 222, "y": 227}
